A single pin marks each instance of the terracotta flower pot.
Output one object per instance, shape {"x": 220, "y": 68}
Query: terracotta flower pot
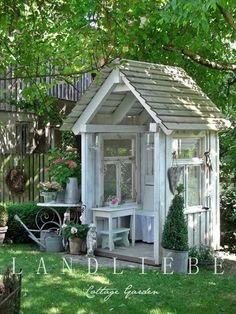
{"x": 3, "y": 231}
{"x": 75, "y": 245}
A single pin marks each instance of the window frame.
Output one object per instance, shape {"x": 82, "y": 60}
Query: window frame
{"x": 116, "y": 160}
{"x": 186, "y": 163}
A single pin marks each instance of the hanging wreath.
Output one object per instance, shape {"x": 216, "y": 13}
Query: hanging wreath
{"x": 16, "y": 180}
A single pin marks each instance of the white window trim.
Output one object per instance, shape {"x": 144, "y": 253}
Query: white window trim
{"x": 195, "y": 161}
{"x": 116, "y": 159}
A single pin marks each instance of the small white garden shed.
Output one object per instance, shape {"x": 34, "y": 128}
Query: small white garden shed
{"x": 136, "y": 121}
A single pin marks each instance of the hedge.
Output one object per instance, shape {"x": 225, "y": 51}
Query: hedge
{"x": 27, "y": 213}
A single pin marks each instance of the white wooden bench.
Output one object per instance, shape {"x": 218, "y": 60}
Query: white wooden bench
{"x": 118, "y": 235}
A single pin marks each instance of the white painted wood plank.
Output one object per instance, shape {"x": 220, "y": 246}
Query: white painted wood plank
{"x": 158, "y": 75}
{"x": 123, "y": 108}
{"x": 169, "y": 89}
{"x": 87, "y": 176}
{"x": 173, "y": 94}
{"x": 138, "y": 168}
{"x": 162, "y": 179}
{"x": 191, "y": 126}
{"x": 214, "y": 183}
{"x": 184, "y": 112}
{"x": 190, "y": 229}
{"x": 98, "y": 128}
{"x": 196, "y": 229}
{"x": 116, "y": 97}
{"x": 184, "y": 86}
{"x": 157, "y": 240}
{"x": 202, "y": 228}
{"x": 120, "y": 88}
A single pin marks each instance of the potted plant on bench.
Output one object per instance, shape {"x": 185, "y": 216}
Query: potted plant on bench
{"x": 49, "y": 191}
{"x": 175, "y": 236}
{"x": 76, "y": 234}
{"x": 3, "y": 223}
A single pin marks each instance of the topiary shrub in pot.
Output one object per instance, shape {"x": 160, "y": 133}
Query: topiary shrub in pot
{"x": 3, "y": 223}
{"x": 175, "y": 237}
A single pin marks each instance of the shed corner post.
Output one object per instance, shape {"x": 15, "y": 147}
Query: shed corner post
{"x": 87, "y": 176}
{"x": 157, "y": 209}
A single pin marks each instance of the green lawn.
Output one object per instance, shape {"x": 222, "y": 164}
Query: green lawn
{"x": 67, "y": 293}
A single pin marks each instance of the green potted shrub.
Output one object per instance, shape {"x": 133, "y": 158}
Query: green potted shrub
{"x": 3, "y": 223}
{"x": 76, "y": 234}
{"x": 175, "y": 236}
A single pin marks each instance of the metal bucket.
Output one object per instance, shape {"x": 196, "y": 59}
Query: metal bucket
{"x": 51, "y": 233}
{"x": 54, "y": 243}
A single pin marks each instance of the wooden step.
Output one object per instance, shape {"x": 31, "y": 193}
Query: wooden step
{"x": 117, "y": 239}
{"x": 115, "y": 231}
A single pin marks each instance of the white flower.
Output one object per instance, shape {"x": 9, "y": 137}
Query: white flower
{"x": 73, "y": 230}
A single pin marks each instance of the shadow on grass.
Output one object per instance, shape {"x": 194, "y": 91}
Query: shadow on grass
{"x": 72, "y": 293}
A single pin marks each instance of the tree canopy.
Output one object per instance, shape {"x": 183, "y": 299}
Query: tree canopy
{"x": 67, "y": 37}
{"x": 74, "y": 36}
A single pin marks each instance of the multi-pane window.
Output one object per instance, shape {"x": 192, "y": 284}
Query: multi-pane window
{"x": 188, "y": 155}
{"x": 119, "y": 169}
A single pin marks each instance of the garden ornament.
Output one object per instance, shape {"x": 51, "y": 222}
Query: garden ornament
{"x": 91, "y": 240}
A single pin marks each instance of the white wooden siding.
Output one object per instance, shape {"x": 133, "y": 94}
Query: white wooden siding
{"x": 199, "y": 228}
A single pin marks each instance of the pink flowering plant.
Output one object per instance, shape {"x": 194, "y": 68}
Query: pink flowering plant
{"x": 64, "y": 165}
{"x": 113, "y": 200}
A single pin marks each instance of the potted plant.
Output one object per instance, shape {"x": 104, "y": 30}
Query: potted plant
{"x": 49, "y": 191}
{"x": 175, "y": 236}
{"x": 76, "y": 234}
{"x": 65, "y": 169}
{"x": 3, "y": 223}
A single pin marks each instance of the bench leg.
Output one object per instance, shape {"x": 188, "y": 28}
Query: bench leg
{"x": 125, "y": 240}
{"x": 105, "y": 242}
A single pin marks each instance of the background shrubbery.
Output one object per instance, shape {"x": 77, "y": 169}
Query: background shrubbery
{"x": 203, "y": 253}
{"x": 27, "y": 213}
{"x": 228, "y": 219}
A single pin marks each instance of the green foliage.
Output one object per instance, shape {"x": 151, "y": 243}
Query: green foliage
{"x": 63, "y": 165}
{"x": 73, "y": 230}
{"x": 175, "y": 233}
{"x": 41, "y": 104}
{"x": 228, "y": 219}
{"x": 68, "y": 139}
{"x": 27, "y": 213}
{"x": 203, "y": 253}
{"x": 228, "y": 158}
{"x": 3, "y": 216}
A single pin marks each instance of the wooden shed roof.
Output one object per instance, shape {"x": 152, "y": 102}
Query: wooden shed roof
{"x": 167, "y": 93}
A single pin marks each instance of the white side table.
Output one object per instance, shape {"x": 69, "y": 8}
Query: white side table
{"x": 116, "y": 212}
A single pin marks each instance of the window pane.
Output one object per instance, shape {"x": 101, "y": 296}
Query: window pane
{"x": 113, "y": 148}
{"x": 126, "y": 181}
{"x": 186, "y": 147}
{"x": 194, "y": 185}
{"x": 109, "y": 181}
